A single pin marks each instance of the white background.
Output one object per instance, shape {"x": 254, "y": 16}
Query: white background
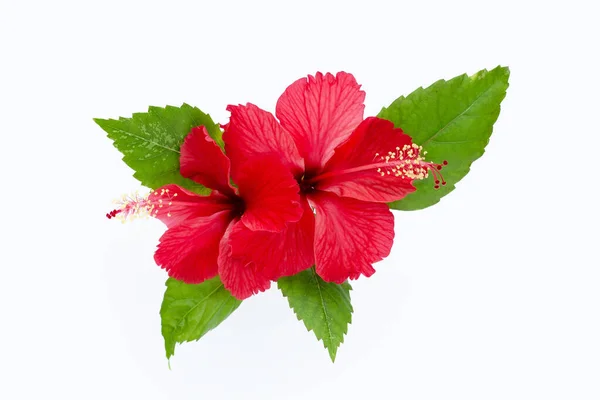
{"x": 491, "y": 294}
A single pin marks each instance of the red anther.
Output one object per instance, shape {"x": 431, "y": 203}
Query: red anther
{"x": 445, "y": 162}
{"x": 436, "y": 187}
{"x": 438, "y": 167}
{"x": 444, "y": 183}
{"x": 132, "y": 206}
{"x": 112, "y": 214}
{"x": 437, "y": 182}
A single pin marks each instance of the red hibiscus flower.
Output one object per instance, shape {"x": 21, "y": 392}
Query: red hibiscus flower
{"x": 347, "y": 169}
{"x": 197, "y": 244}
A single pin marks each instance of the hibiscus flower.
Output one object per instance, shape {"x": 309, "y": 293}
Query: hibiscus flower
{"x": 347, "y": 169}
{"x": 197, "y": 244}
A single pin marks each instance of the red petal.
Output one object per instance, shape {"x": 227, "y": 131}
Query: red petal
{"x": 203, "y": 161}
{"x": 373, "y": 136}
{"x": 350, "y": 235}
{"x": 320, "y": 112}
{"x": 270, "y": 193}
{"x": 278, "y": 254}
{"x": 190, "y": 250}
{"x": 174, "y": 205}
{"x": 252, "y": 131}
{"x": 238, "y": 276}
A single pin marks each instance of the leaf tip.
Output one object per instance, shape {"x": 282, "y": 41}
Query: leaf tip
{"x": 332, "y": 353}
{"x": 169, "y": 347}
{"x": 99, "y": 121}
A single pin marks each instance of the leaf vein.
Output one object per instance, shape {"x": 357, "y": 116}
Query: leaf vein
{"x": 181, "y": 322}
{"x": 148, "y": 140}
{"x": 325, "y": 313}
{"x": 457, "y": 116}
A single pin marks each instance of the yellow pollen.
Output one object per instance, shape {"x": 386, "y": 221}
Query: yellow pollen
{"x": 136, "y": 205}
{"x": 407, "y": 162}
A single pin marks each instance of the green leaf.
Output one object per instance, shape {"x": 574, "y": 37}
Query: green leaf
{"x": 150, "y": 142}
{"x": 323, "y": 307}
{"x": 453, "y": 121}
{"x": 188, "y": 312}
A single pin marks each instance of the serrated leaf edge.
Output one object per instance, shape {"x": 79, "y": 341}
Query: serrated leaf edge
{"x": 331, "y": 350}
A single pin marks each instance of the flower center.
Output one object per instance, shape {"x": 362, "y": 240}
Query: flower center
{"x": 405, "y": 163}
{"x": 306, "y": 186}
{"x": 239, "y": 206}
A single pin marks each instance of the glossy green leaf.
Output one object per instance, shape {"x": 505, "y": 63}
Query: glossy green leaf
{"x": 188, "y": 312}
{"x": 323, "y": 307}
{"x": 453, "y": 121}
{"x": 150, "y": 142}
